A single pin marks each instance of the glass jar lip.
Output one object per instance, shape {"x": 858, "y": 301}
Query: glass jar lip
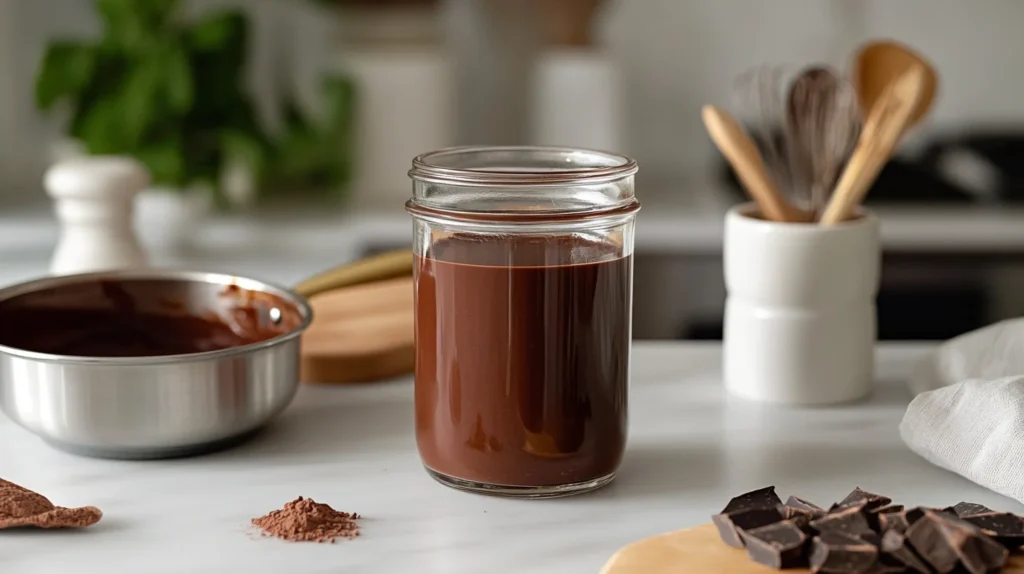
{"x": 603, "y": 167}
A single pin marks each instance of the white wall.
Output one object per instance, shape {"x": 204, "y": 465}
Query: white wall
{"x": 676, "y": 56}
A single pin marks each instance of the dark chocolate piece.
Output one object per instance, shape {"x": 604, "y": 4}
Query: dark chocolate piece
{"x": 860, "y": 497}
{"x": 852, "y": 520}
{"x": 761, "y": 498}
{"x": 914, "y": 514}
{"x": 899, "y": 521}
{"x": 889, "y": 509}
{"x": 781, "y": 545}
{"x": 840, "y": 553}
{"x": 730, "y": 525}
{"x": 1006, "y": 528}
{"x": 946, "y": 542}
{"x": 896, "y": 521}
{"x": 801, "y": 505}
{"x": 965, "y": 509}
{"x": 887, "y": 565}
{"x": 869, "y": 537}
{"x": 895, "y": 547}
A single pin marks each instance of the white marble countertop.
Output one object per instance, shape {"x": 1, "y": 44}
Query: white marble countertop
{"x": 690, "y": 450}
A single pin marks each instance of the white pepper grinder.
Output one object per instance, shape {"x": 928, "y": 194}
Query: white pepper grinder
{"x": 94, "y": 200}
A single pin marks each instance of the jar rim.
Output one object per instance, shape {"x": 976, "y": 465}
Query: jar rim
{"x": 455, "y": 165}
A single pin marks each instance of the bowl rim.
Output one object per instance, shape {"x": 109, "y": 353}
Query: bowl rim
{"x": 212, "y": 277}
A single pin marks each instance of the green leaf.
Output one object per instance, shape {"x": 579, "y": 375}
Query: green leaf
{"x": 339, "y": 93}
{"x": 218, "y": 31}
{"x": 66, "y": 68}
{"x": 165, "y": 160}
{"x": 157, "y": 12}
{"x": 138, "y": 102}
{"x": 123, "y": 28}
{"x": 180, "y": 89}
{"x": 100, "y": 128}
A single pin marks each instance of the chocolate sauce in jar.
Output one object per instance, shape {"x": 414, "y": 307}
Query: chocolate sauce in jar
{"x": 522, "y": 361}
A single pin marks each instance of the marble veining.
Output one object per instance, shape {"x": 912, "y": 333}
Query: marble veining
{"x": 690, "y": 449}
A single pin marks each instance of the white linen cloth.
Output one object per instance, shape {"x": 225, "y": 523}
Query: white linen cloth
{"x": 968, "y": 412}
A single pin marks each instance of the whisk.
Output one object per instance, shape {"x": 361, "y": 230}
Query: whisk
{"x": 761, "y": 92}
{"x": 822, "y": 125}
{"x": 808, "y": 124}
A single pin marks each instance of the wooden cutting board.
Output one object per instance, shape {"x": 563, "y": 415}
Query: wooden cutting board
{"x": 699, "y": 550}
{"x": 362, "y": 333}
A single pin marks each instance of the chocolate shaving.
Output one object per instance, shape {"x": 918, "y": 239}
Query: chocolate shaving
{"x": 20, "y": 507}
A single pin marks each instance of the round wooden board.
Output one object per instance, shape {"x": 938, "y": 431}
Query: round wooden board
{"x": 362, "y": 333}
{"x": 699, "y": 550}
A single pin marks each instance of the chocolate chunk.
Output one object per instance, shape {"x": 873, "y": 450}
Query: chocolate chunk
{"x": 1006, "y": 528}
{"x": 896, "y": 521}
{"x": 895, "y": 547}
{"x": 914, "y": 514}
{"x": 853, "y": 521}
{"x": 800, "y": 505}
{"x": 860, "y": 497}
{"x": 872, "y": 538}
{"x": 946, "y": 542}
{"x": 965, "y": 509}
{"x": 889, "y": 509}
{"x": 780, "y": 545}
{"x": 887, "y": 565}
{"x": 731, "y": 525}
{"x": 761, "y": 498}
{"x": 840, "y": 553}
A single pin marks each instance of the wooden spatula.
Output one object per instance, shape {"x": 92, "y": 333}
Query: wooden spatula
{"x": 883, "y": 129}
{"x": 362, "y": 333}
{"x": 740, "y": 150}
{"x": 362, "y": 328}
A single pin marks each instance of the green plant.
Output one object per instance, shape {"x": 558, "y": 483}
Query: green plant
{"x": 310, "y": 154}
{"x": 171, "y": 93}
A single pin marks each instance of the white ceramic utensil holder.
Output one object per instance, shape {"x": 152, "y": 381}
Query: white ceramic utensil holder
{"x": 800, "y": 324}
{"x": 93, "y": 199}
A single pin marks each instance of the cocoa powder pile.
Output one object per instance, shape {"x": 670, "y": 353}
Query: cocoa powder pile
{"x": 305, "y": 520}
{"x": 22, "y": 507}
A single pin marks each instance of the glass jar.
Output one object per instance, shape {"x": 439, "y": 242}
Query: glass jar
{"x": 524, "y": 292}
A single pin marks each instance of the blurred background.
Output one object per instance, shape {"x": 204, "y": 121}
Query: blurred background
{"x": 279, "y": 131}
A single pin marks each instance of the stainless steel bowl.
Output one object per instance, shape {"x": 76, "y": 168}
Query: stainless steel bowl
{"x": 152, "y": 407}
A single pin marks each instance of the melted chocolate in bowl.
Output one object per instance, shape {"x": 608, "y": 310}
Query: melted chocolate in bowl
{"x": 141, "y": 318}
{"x": 522, "y": 359}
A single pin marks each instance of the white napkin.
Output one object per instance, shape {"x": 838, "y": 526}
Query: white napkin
{"x": 991, "y": 352}
{"x": 968, "y": 412}
{"x": 974, "y": 428}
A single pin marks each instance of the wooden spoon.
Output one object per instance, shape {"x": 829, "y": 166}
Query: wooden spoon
{"x": 740, "y": 150}
{"x": 878, "y": 64}
{"x": 886, "y": 123}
